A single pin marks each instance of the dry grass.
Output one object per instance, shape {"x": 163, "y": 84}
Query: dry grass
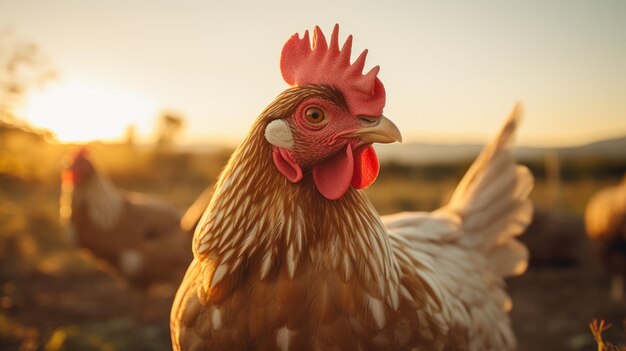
{"x": 32, "y": 250}
{"x": 597, "y": 329}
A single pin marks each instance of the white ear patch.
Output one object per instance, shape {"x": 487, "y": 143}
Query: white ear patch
{"x": 278, "y": 134}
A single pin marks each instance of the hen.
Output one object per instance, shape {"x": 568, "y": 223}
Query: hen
{"x": 291, "y": 255}
{"x": 139, "y": 236}
{"x": 605, "y": 221}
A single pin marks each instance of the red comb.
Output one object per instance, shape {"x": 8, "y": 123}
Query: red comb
{"x": 81, "y": 153}
{"x": 302, "y": 64}
{"x": 67, "y": 176}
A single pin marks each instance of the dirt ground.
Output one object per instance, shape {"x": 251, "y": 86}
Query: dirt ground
{"x": 554, "y": 301}
{"x": 66, "y": 301}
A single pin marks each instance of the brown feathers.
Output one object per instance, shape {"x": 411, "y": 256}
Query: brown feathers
{"x": 278, "y": 266}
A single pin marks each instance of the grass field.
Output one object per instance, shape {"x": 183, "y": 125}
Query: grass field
{"x": 56, "y": 297}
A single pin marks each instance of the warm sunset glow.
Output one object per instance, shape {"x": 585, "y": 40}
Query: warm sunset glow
{"x": 452, "y": 70}
{"x": 81, "y": 112}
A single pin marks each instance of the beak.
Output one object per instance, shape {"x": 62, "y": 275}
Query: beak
{"x": 378, "y": 130}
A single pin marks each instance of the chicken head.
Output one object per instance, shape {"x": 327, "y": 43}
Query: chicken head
{"x": 331, "y": 132}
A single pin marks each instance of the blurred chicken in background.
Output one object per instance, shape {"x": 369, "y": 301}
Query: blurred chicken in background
{"x": 138, "y": 235}
{"x": 605, "y": 221}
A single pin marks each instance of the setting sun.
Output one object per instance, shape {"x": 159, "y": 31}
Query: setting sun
{"x": 80, "y": 112}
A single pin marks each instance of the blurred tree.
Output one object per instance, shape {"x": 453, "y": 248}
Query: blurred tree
{"x": 169, "y": 127}
{"x": 23, "y": 67}
{"x": 169, "y": 165}
{"x": 130, "y": 136}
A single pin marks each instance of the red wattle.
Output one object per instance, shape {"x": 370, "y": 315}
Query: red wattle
{"x": 333, "y": 175}
{"x": 366, "y": 167}
{"x": 287, "y": 165}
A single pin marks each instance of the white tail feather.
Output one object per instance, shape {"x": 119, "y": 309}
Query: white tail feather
{"x": 492, "y": 199}
{"x": 466, "y": 248}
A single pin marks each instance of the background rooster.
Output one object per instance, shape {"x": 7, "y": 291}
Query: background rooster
{"x": 138, "y": 235}
{"x": 605, "y": 220}
{"x": 291, "y": 255}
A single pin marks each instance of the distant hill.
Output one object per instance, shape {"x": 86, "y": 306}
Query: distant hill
{"x": 615, "y": 147}
{"x": 419, "y": 153}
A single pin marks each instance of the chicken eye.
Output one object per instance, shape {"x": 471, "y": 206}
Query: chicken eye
{"x": 314, "y": 115}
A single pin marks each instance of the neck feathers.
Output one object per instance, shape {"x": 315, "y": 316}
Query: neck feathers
{"x": 257, "y": 214}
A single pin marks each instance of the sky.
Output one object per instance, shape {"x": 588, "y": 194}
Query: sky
{"x": 452, "y": 69}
